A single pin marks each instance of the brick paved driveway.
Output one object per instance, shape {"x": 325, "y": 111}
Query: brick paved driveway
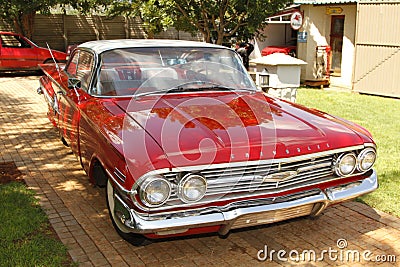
{"x": 78, "y": 213}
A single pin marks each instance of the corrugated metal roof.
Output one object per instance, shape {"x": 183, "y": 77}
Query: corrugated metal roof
{"x": 323, "y": 2}
{"x": 378, "y": 1}
{"x": 329, "y": 2}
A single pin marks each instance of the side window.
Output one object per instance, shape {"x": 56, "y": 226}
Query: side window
{"x": 81, "y": 66}
{"x": 84, "y": 70}
{"x": 14, "y": 41}
{"x": 23, "y": 42}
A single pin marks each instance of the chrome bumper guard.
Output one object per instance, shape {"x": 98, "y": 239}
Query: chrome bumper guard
{"x": 256, "y": 213}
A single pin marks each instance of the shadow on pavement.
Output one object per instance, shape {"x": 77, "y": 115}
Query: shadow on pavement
{"x": 20, "y": 73}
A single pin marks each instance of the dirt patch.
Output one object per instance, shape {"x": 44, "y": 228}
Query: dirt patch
{"x": 9, "y": 173}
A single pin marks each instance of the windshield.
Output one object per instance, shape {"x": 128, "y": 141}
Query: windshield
{"x": 141, "y": 71}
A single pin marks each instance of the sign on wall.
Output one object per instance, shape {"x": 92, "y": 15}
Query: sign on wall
{"x": 296, "y": 20}
{"x": 334, "y": 10}
{"x": 302, "y": 37}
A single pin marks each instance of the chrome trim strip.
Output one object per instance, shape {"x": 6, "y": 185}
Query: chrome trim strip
{"x": 119, "y": 186}
{"x": 313, "y": 167}
{"x": 119, "y": 175}
{"x": 216, "y": 216}
{"x": 47, "y": 96}
{"x": 370, "y": 145}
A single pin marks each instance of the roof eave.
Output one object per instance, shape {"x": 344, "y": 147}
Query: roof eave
{"x": 324, "y": 2}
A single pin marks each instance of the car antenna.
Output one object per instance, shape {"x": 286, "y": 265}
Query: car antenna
{"x": 58, "y": 69}
{"x": 52, "y": 56}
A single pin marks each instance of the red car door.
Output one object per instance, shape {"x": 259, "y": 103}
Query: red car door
{"x": 17, "y": 52}
{"x": 70, "y": 99}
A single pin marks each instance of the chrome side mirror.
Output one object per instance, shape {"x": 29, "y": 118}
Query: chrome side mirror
{"x": 74, "y": 83}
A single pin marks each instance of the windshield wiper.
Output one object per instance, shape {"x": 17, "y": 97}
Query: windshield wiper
{"x": 210, "y": 86}
{"x": 184, "y": 87}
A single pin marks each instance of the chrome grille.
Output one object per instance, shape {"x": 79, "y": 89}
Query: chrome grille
{"x": 248, "y": 179}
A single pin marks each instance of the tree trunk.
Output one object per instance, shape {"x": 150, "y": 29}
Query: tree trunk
{"x": 206, "y": 37}
{"x": 220, "y": 39}
{"x": 24, "y": 24}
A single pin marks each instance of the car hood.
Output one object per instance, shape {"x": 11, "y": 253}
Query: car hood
{"x": 200, "y": 129}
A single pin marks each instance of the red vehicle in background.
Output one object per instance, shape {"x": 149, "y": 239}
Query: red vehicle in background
{"x": 288, "y": 50}
{"x": 19, "y": 53}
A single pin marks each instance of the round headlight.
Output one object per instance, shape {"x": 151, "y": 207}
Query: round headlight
{"x": 366, "y": 159}
{"x": 346, "y": 164}
{"x": 192, "y": 188}
{"x": 155, "y": 191}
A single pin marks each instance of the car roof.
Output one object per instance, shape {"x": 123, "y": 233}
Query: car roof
{"x": 9, "y": 33}
{"x": 101, "y": 46}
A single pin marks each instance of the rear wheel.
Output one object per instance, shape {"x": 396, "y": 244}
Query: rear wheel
{"x": 134, "y": 239}
{"x": 50, "y": 60}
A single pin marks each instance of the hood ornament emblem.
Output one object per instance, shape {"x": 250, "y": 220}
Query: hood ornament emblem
{"x": 279, "y": 177}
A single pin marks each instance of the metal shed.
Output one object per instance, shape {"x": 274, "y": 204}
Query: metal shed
{"x": 370, "y": 38}
{"x": 377, "y": 54}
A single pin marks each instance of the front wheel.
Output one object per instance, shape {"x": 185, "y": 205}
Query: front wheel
{"x": 134, "y": 239}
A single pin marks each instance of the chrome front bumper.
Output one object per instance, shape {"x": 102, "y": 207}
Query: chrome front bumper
{"x": 257, "y": 212}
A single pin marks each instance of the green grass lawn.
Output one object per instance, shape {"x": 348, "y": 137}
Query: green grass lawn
{"x": 381, "y": 116}
{"x": 25, "y": 236}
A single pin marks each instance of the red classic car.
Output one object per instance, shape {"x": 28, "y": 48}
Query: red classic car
{"x": 185, "y": 143}
{"x": 19, "y": 53}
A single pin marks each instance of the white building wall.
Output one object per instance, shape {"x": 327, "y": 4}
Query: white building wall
{"x": 317, "y": 25}
{"x": 274, "y": 34}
